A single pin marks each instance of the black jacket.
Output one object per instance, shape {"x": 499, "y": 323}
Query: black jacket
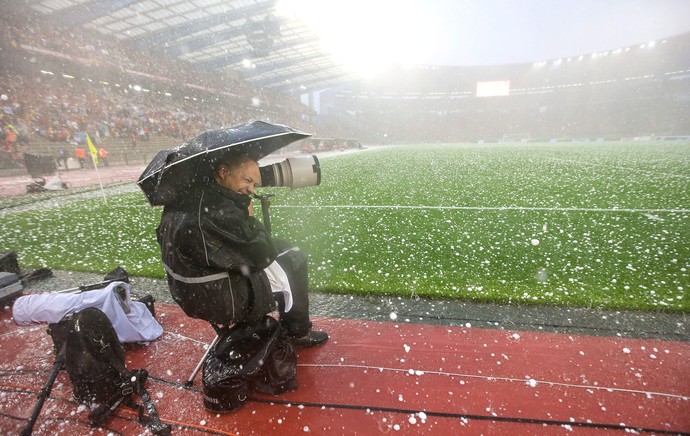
{"x": 214, "y": 254}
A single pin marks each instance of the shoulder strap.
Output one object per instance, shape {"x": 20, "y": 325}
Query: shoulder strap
{"x": 134, "y": 383}
{"x": 153, "y": 421}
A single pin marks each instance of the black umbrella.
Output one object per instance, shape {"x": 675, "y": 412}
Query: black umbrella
{"x": 175, "y": 173}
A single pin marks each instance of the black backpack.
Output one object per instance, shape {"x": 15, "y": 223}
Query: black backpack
{"x": 95, "y": 362}
{"x": 251, "y": 355}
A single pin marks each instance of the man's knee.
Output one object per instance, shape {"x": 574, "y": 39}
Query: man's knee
{"x": 293, "y": 259}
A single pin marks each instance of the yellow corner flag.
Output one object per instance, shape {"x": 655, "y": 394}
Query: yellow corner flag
{"x": 92, "y": 149}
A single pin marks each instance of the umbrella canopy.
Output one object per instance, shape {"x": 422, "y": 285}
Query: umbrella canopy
{"x": 175, "y": 173}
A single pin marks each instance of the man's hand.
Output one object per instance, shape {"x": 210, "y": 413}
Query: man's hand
{"x": 250, "y": 209}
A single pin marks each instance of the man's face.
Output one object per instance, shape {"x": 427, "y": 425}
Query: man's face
{"x": 243, "y": 179}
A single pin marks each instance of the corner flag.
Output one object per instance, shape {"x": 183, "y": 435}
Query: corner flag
{"x": 94, "y": 156}
{"x": 92, "y": 150}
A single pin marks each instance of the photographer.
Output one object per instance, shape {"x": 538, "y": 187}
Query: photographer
{"x": 215, "y": 252}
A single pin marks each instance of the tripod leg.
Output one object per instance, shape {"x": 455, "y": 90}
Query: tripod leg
{"x": 190, "y": 380}
{"x": 45, "y": 391}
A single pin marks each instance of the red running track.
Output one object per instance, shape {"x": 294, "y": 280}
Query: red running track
{"x": 373, "y": 378}
{"x": 77, "y": 178}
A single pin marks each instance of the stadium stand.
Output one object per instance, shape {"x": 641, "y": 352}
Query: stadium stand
{"x": 59, "y": 83}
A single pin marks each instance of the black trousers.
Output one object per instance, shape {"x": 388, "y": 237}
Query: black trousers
{"x": 294, "y": 263}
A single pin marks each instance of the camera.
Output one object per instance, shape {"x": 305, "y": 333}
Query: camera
{"x": 293, "y": 172}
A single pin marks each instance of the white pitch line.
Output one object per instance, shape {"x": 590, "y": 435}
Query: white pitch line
{"x": 505, "y": 379}
{"x": 483, "y": 208}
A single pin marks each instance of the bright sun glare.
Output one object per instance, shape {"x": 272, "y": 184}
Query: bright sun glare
{"x": 366, "y": 35}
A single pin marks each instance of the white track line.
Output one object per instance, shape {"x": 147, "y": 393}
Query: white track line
{"x": 452, "y": 374}
{"x": 506, "y": 379}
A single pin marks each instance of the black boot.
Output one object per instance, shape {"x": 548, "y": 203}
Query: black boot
{"x": 311, "y": 339}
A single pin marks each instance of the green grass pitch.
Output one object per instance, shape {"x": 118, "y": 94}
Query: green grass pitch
{"x": 580, "y": 224}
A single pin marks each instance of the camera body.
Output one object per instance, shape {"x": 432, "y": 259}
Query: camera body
{"x": 293, "y": 172}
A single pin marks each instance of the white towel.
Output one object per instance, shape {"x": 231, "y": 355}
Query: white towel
{"x": 279, "y": 283}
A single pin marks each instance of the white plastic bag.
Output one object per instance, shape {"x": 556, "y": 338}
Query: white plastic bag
{"x": 131, "y": 319}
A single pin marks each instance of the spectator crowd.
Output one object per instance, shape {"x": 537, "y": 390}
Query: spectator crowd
{"x": 40, "y": 104}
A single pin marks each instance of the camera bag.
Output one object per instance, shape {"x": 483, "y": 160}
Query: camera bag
{"x": 248, "y": 355}
{"x": 10, "y": 287}
{"x": 10, "y": 284}
{"x": 8, "y": 262}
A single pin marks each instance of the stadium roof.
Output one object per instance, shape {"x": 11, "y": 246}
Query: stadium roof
{"x": 247, "y": 36}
